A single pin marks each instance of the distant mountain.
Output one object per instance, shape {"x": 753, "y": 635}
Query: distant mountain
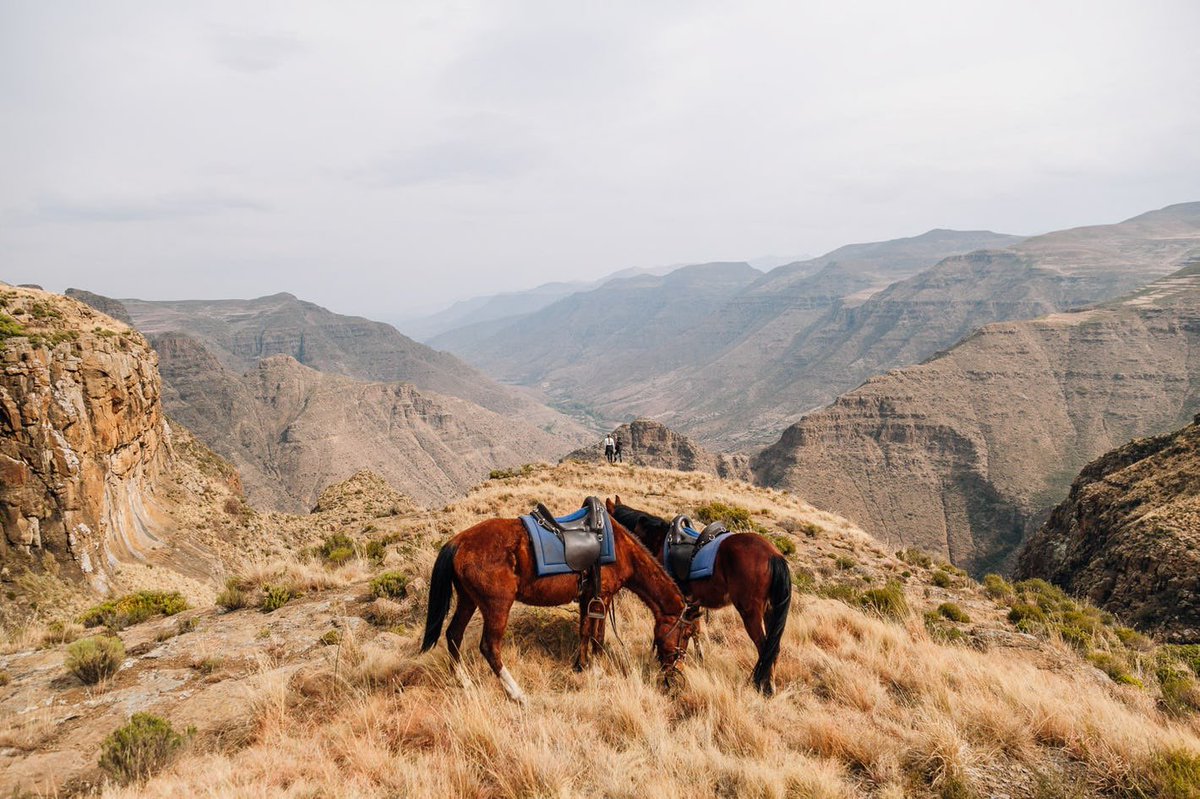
{"x": 291, "y": 430}
{"x": 1128, "y": 536}
{"x": 645, "y": 442}
{"x": 966, "y": 453}
{"x": 661, "y": 370}
{"x": 239, "y": 333}
{"x": 594, "y": 343}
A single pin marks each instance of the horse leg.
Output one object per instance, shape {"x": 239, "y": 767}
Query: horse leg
{"x": 585, "y": 637}
{"x": 495, "y": 619}
{"x": 752, "y": 619}
{"x": 458, "y": 625}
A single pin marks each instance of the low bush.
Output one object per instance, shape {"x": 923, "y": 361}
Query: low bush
{"x": 1115, "y": 667}
{"x": 953, "y": 612}
{"x": 95, "y": 659}
{"x": 1170, "y": 774}
{"x": 804, "y": 580}
{"x": 996, "y": 587}
{"x": 942, "y": 579}
{"x": 785, "y": 545}
{"x": 117, "y": 614}
{"x": 915, "y": 557}
{"x": 275, "y": 597}
{"x": 140, "y": 749}
{"x": 392, "y": 585}
{"x": 841, "y": 592}
{"x": 734, "y": 517}
{"x": 844, "y": 562}
{"x": 888, "y": 601}
{"x": 232, "y": 597}
{"x": 336, "y": 549}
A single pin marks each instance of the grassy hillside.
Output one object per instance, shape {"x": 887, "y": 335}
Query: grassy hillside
{"x": 899, "y": 676}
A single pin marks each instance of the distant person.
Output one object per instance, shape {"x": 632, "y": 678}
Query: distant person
{"x": 617, "y": 450}
{"x": 610, "y": 448}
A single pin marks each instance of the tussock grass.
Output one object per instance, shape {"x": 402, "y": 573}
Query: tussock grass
{"x": 95, "y": 659}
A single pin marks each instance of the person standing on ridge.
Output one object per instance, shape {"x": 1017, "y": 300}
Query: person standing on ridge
{"x": 617, "y": 450}
{"x": 609, "y": 447}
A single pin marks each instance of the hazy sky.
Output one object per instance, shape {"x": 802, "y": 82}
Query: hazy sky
{"x": 374, "y": 157}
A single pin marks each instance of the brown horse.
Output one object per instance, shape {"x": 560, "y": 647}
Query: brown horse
{"x": 491, "y": 565}
{"x": 749, "y": 573}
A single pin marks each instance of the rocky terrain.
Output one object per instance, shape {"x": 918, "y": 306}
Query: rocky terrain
{"x": 645, "y": 442}
{"x": 898, "y": 677}
{"x": 98, "y": 488}
{"x": 291, "y": 430}
{"x": 966, "y": 453}
{"x": 1128, "y": 536}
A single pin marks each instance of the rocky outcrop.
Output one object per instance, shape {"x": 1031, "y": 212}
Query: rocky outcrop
{"x": 1128, "y": 536}
{"x": 83, "y": 440}
{"x": 105, "y": 305}
{"x": 966, "y": 453}
{"x": 292, "y": 430}
{"x": 645, "y": 442}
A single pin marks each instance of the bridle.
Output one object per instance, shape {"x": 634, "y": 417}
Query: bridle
{"x": 686, "y": 623}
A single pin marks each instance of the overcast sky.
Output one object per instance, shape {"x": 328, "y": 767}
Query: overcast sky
{"x": 376, "y": 157}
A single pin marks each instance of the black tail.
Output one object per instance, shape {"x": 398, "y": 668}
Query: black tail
{"x": 441, "y": 590}
{"x": 780, "y": 597}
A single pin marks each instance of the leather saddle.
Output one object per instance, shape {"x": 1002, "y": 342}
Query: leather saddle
{"x": 683, "y": 543}
{"x": 582, "y": 537}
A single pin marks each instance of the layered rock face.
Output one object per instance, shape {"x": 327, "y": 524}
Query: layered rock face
{"x": 83, "y": 440}
{"x": 965, "y": 454}
{"x": 645, "y": 442}
{"x": 291, "y": 430}
{"x": 1128, "y": 536}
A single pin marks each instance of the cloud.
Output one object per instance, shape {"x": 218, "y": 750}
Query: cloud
{"x": 469, "y": 151}
{"x": 254, "y": 52}
{"x": 153, "y": 209}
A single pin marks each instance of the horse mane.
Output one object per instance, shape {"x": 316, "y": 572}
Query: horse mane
{"x": 657, "y": 573}
{"x": 630, "y": 517}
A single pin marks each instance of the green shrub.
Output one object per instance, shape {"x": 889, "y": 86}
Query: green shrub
{"x": 1170, "y": 774}
{"x": 942, "y": 579}
{"x": 140, "y": 749}
{"x": 275, "y": 597}
{"x": 734, "y": 517}
{"x": 232, "y": 597}
{"x": 337, "y": 549}
{"x": 844, "y": 563}
{"x": 915, "y": 557}
{"x": 1180, "y": 691}
{"x": 330, "y": 638}
{"x": 1115, "y": 667}
{"x": 9, "y": 327}
{"x": 518, "y": 471}
{"x": 117, "y": 614}
{"x": 811, "y": 529}
{"x": 1024, "y": 613}
{"x": 374, "y": 551}
{"x": 953, "y": 612}
{"x": 840, "y": 591}
{"x": 1187, "y": 654}
{"x": 887, "y": 601}
{"x": 996, "y": 587}
{"x": 393, "y": 585}
{"x": 785, "y": 545}
{"x": 803, "y": 580}
{"x": 938, "y": 629}
{"x": 94, "y": 659}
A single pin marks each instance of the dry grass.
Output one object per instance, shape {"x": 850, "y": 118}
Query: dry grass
{"x": 869, "y": 703}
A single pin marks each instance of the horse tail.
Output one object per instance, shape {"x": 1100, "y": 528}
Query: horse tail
{"x": 779, "y": 595}
{"x": 441, "y": 589}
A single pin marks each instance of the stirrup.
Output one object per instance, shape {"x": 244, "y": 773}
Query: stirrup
{"x": 592, "y": 613}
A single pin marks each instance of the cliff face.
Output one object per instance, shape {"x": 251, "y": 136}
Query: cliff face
{"x": 648, "y": 443}
{"x": 966, "y": 453}
{"x": 83, "y": 440}
{"x": 1128, "y": 536}
{"x": 292, "y": 430}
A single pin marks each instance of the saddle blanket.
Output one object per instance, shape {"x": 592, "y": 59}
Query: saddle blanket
{"x": 548, "y": 549}
{"x": 705, "y": 559}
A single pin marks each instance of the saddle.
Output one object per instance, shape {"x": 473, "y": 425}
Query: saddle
{"x": 583, "y": 537}
{"x": 683, "y": 542}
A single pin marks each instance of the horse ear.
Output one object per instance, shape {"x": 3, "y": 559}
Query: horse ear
{"x": 617, "y": 499}
{"x": 608, "y": 504}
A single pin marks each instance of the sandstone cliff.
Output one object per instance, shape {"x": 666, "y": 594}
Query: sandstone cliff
{"x": 966, "y": 453}
{"x": 1128, "y": 536}
{"x": 83, "y": 440}
{"x": 292, "y": 430}
{"x": 648, "y": 443}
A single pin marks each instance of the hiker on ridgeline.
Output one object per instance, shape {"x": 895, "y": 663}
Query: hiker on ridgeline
{"x": 610, "y": 447}
{"x": 617, "y": 451}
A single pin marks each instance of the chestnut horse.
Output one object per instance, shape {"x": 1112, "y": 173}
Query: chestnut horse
{"x": 749, "y": 573}
{"x": 491, "y": 565}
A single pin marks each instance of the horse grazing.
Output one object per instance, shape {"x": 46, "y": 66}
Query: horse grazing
{"x": 492, "y": 565}
{"x": 748, "y": 573}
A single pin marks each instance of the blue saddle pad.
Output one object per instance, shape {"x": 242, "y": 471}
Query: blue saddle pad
{"x": 706, "y": 557}
{"x": 548, "y": 549}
